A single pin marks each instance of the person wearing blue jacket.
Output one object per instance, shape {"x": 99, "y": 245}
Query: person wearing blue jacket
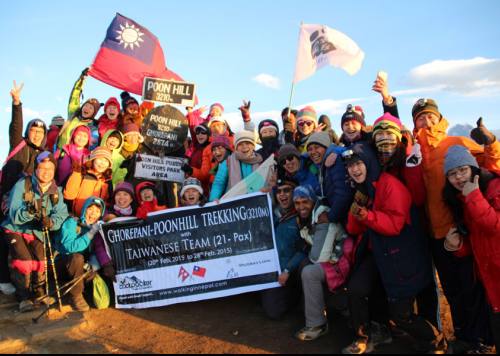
{"x": 75, "y": 245}
{"x": 334, "y": 189}
{"x": 293, "y": 165}
{"x": 291, "y": 252}
{"x": 36, "y": 207}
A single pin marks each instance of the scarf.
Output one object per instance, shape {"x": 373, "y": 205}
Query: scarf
{"x": 123, "y": 211}
{"x": 234, "y": 166}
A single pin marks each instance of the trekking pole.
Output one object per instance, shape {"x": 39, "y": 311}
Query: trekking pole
{"x": 46, "y": 265}
{"x": 47, "y": 236}
{"x": 72, "y": 284}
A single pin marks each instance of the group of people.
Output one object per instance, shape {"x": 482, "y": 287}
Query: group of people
{"x": 371, "y": 214}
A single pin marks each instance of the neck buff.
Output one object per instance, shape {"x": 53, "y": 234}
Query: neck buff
{"x": 123, "y": 211}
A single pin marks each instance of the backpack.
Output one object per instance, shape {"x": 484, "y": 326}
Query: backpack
{"x": 100, "y": 293}
{"x": 337, "y": 273}
{"x": 14, "y": 152}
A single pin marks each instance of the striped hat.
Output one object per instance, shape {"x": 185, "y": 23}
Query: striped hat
{"x": 390, "y": 123}
{"x": 308, "y": 114}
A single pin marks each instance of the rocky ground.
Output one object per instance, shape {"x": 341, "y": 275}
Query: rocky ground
{"x": 227, "y": 325}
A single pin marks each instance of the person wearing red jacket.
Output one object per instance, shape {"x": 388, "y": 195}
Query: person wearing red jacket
{"x": 111, "y": 117}
{"x": 147, "y": 199}
{"x": 473, "y": 196}
{"x": 383, "y": 214}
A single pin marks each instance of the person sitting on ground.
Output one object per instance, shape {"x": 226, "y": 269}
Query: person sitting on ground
{"x": 192, "y": 193}
{"x": 291, "y": 252}
{"x": 75, "y": 244}
{"x": 329, "y": 260}
{"x": 147, "y": 199}
{"x": 36, "y": 208}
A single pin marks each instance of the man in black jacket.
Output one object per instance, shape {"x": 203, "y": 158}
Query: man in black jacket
{"x": 22, "y": 153}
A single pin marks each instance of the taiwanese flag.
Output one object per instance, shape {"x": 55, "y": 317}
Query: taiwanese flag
{"x": 199, "y": 271}
{"x": 128, "y": 54}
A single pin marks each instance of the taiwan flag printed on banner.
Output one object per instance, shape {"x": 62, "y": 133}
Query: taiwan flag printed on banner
{"x": 199, "y": 271}
{"x": 128, "y": 54}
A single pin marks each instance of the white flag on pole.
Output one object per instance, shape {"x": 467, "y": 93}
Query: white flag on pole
{"x": 319, "y": 46}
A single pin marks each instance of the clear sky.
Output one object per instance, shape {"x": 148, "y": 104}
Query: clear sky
{"x": 447, "y": 50}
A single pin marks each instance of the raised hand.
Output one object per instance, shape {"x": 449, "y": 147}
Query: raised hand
{"x": 15, "y": 93}
{"x": 469, "y": 187}
{"x": 482, "y": 135}
{"x": 380, "y": 85}
{"x": 245, "y": 110}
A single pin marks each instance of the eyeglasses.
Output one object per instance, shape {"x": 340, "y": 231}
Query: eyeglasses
{"x": 283, "y": 190}
{"x": 288, "y": 158}
{"x": 305, "y": 123}
{"x": 459, "y": 172}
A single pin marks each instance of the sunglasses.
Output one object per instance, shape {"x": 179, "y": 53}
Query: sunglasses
{"x": 288, "y": 158}
{"x": 305, "y": 123}
{"x": 201, "y": 131}
{"x": 284, "y": 190}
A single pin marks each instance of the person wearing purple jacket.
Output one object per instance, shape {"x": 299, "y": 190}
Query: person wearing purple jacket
{"x": 72, "y": 156}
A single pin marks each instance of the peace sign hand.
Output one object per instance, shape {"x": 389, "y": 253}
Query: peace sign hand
{"x": 15, "y": 93}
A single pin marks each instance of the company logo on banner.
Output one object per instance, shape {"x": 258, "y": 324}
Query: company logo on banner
{"x": 135, "y": 283}
{"x": 194, "y": 253}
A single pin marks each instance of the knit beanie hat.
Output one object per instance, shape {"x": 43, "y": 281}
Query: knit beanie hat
{"x": 191, "y": 183}
{"x": 304, "y": 191}
{"x": 203, "y": 128}
{"x": 127, "y": 99}
{"x": 57, "y": 121}
{"x": 125, "y": 187}
{"x": 101, "y": 152}
{"x": 458, "y": 156}
{"x": 244, "y": 136}
{"x": 268, "y": 123}
{"x": 112, "y": 101}
{"x": 95, "y": 103}
{"x": 390, "y": 123}
{"x": 425, "y": 105}
{"x": 45, "y": 156}
{"x": 217, "y": 105}
{"x": 353, "y": 114}
{"x": 308, "y": 114}
{"x": 287, "y": 151}
{"x": 221, "y": 140}
{"x": 216, "y": 119}
{"x": 320, "y": 138}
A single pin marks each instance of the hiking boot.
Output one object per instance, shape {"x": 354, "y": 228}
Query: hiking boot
{"x": 7, "y": 288}
{"x": 309, "y": 334}
{"x": 358, "y": 347}
{"x": 380, "y": 334}
{"x": 26, "y": 306}
{"x": 482, "y": 349}
{"x": 79, "y": 304}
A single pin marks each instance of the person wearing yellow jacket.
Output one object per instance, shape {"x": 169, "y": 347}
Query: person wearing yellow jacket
{"x": 463, "y": 291}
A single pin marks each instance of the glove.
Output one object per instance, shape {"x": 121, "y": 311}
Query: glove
{"x": 482, "y": 135}
{"x": 415, "y": 157}
{"x": 94, "y": 229}
{"x": 245, "y": 110}
{"x": 186, "y": 168}
{"x": 85, "y": 72}
{"x": 359, "y": 212}
{"x": 46, "y": 223}
{"x": 109, "y": 271}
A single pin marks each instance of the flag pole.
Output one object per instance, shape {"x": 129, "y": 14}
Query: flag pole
{"x": 293, "y": 83}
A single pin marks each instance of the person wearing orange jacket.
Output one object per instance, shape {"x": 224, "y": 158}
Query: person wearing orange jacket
{"x": 464, "y": 293}
{"x": 473, "y": 195}
{"x": 94, "y": 179}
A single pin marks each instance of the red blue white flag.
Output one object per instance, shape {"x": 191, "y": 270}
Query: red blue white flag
{"x": 199, "y": 271}
{"x": 128, "y": 54}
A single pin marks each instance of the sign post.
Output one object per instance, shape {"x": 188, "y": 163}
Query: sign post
{"x": 168, "y": 91}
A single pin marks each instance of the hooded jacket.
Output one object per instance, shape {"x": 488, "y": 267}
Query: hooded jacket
{"x": 70, "y": 159}
{"x": 74, "y": 236}
{"x": 23, "y": 162}
{"x": 146, "y": 207}
{"x": 119, "y": 173}
{"x": 482, "y": 218}
{"x": 435, "y": 143}
{"x": 21, "y": 221}
{"x": 393, "y": 231}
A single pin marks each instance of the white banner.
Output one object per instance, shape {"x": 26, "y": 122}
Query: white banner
{"x": 160, "y": 168}
{"x": 191, "y": 254}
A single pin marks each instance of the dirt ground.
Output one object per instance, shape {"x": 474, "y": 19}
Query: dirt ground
{"x": 227, "y": 325}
